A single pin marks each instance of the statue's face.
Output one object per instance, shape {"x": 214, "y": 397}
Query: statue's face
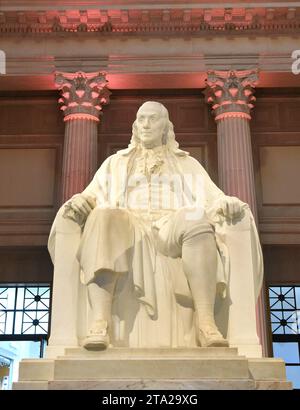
{"x": 150, "y": 124}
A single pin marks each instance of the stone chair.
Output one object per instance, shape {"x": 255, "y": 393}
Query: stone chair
{"x": 235, "y": 315}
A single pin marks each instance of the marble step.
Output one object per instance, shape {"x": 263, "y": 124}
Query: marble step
{"x": 90, "y": 368}
{"x": 160, "y": 368}
{"x": 150, "y": 384}
{"x": 123, "y": 352}
{"x": 140, "y": 384}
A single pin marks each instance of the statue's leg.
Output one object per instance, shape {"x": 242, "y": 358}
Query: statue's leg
{"x": 199, "y": 257}
{"x": 103, "y": 255}
{"x": 194, "y": 241}
{"x": 100, "y": 294}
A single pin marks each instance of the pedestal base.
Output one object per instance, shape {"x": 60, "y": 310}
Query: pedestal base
{"x": 161, "y": 369}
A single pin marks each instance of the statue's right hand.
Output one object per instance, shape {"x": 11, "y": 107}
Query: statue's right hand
{"x": 78, "y": 208}
{"x": 83, "y": 204}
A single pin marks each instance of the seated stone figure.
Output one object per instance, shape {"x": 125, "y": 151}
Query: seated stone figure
{"x": 151, "y": 249}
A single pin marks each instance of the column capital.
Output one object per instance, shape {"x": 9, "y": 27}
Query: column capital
{"x": 231, "y": 92}
{"x": 82, "y": 94}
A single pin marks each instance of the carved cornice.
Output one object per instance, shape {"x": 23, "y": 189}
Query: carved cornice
{"x": 82, "y": 94}
{"x": 154, "y": 21}
{"x": 231, "y": 93}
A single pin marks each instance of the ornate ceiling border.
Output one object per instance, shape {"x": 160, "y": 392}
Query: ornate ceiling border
{"x": 134, "y": 4}
{"x": 154, "y": 21}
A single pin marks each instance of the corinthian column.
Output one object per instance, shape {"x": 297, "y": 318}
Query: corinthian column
{"x": 82, "y": 97}
{"x": 231, "y": 96}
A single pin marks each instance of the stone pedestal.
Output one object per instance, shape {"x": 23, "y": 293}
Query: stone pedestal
{"x": 161, "y": 369}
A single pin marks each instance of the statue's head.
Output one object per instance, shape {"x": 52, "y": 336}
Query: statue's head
{"x": 151, "y": 124}
{"x": 152, "y": 127}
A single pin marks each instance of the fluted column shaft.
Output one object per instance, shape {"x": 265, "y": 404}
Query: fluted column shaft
{"x": 80, "y": 156}
{"x": 82, "y": 97}
{"x": 235, "y": 163}
{"x": 231, "y": 96}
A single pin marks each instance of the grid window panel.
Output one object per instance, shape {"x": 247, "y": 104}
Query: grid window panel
{"x": 24, "y": 310}
{"x": 285, "y": 323}
{"x": 285, "y": 309}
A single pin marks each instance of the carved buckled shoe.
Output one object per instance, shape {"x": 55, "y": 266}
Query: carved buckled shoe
{"x": 97, "y": 338}
{"x": 209, "y": 336}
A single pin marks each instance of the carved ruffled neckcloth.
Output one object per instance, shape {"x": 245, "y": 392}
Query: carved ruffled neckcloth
{"x": 149, "y": 161}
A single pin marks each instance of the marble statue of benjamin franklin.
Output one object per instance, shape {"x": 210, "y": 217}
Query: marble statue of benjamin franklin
{"x": 150, "y": 255}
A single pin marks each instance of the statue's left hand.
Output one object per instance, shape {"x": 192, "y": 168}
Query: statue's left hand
{"x": 231, "y": 207}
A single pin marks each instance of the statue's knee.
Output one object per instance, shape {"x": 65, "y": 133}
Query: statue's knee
{"x": 193, "y": 215}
